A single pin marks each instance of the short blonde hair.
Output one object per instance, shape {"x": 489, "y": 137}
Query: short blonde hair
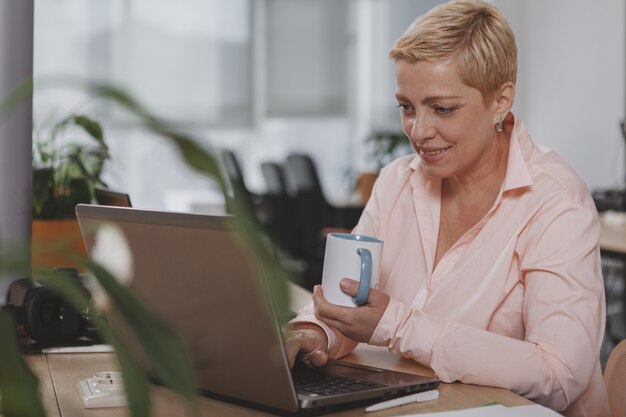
{"x": 473, "y": 33}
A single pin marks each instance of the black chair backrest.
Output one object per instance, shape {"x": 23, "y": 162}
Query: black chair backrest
{"x": 234, "y": 175}
{"x": 282, "y": 214}
{"x": 232, "y": 167}
{"x": 275, "y": 180}
{"x": 303, "y": 173}
{"x": 313, "y": 212}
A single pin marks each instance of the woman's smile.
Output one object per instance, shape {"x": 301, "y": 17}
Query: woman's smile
{"x": 430, "y": 154}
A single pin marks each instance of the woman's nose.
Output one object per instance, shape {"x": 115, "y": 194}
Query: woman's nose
{"x": 420, "y": 129}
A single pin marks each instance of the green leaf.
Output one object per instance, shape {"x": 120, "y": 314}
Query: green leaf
{"x": 18, "y": 386}
{"x": 78, "y": 189}
{"x": 276, "y": 275}
{"x": 15, "y": 98}
{"x": 202, "y": 161}
{"x": 136, "y": 384}
{"x": 163, "y": 347}
{"x": 92, "y": 127}
{"x": 42, "y": 190}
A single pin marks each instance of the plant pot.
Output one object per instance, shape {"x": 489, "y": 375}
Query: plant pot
{"x": 365, "y": 184}
{"x": 54, "y": 243}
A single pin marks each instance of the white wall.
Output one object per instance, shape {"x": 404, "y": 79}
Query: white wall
{"x": 571, "y": 87}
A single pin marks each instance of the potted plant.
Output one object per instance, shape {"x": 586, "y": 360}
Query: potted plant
{"x": 64, "y": 174}
{"x": 383, "y": 147}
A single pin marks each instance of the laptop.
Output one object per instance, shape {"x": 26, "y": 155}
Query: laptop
{"x": 196, "y": 274}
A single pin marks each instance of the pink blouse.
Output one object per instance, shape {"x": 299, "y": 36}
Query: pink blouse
{"x": 517, "y": 302}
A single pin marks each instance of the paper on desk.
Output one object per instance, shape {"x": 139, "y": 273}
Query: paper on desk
{"x": 79, "y": 349}
{"x": 613, "y": 218}
{"x": 534, "y": 410}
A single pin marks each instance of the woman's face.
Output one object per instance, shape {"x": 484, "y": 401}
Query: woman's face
{"x": 449, "y": 125}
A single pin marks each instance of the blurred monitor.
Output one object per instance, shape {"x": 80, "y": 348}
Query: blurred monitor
{"x": 105, "y": 197}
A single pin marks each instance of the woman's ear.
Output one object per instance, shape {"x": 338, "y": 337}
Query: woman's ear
{"x": 505, "y": 96}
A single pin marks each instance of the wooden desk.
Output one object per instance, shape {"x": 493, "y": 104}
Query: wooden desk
{"x": 613, "y": 238}
{"x": 39, "y": 365}
{"x": 59, "y": 375}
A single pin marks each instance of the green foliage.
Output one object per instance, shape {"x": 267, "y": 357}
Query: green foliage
{"x": 385, "y": 146}
{"x": 207, "y": 164}
{"x": 161, "y": 345}
{"x": 18, "y": 385}
{"x": 65, "y": 175}
{"x": 166, "y": 351}
{"x": 146, "y": 327}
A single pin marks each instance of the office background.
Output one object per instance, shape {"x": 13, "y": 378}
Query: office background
{"x": 268, "y": 77}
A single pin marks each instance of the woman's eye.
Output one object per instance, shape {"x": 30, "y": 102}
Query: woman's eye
{"x": 443, "y": 110}
{"x": 403, "y": 107}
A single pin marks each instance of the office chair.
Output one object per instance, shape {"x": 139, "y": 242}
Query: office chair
{"x": 302, "y": 170}
{"x": 615, "y": 379}
{"x": 316, "y": 217}
{"x": 281, "y": 209}
{"x": 238, "y": 188}
{"x": 275, "y": 179}
{"x": 312, "y": 211}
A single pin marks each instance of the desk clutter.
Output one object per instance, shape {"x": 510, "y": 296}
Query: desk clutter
{"x": 103, "y": 389}
{"x": 610, "y": 199}
{"x": 613, "y": 218}
{"x": 45, "y": 318}
{"x": 420, "y": 397}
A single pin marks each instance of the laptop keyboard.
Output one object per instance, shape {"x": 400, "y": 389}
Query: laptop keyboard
{"x": 320, "y": 384}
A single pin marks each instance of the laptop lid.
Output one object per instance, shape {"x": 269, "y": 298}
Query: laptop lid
{"x": 196, "y": 274}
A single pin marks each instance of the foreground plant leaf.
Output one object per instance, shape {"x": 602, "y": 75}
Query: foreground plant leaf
{"x": 193, "y": 154}
{"x": 161, "y": 345}
{"x": 205, "y": 163}
{"x": 136, "y": 383}
{"x": 19, "y": 389}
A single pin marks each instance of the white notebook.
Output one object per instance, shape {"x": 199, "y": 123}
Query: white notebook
{"x": 534, "y": 410}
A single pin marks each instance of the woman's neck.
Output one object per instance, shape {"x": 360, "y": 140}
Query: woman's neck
{"x": 486, "y": 177}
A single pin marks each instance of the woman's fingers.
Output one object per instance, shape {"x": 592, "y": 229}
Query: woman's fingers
{"x": 357, "y": 323}
{"x": 309, "y": 342}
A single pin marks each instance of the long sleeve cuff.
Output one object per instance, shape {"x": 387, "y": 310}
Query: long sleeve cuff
{"x": 306, "y": 315}
{"x": 407, "y": 332}
{"x": 386, "y": 329}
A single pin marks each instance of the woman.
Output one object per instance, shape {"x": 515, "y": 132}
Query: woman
{"x": 491, "y": 271}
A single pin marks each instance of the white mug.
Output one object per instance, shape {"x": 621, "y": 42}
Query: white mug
{"x": 350, "y": 256}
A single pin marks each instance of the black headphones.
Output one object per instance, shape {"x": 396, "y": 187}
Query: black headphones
{"x": 45, "y": 317}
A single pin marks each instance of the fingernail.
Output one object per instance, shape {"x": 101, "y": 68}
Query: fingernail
{"x": 344, "y": 283}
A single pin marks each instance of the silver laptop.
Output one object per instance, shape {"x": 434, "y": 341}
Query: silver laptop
{"x": 196, "y": 274}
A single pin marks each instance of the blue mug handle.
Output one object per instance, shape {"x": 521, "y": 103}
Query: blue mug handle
{"x": 366, "y": 276}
